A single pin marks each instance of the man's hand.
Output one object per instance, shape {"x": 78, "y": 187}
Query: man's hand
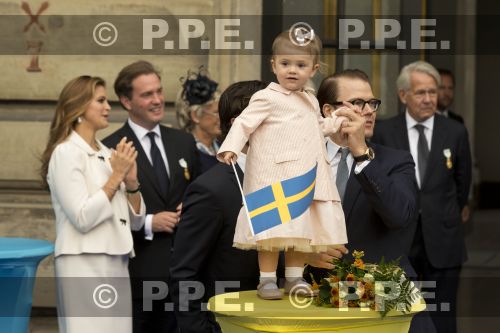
{"x": 165, "y": 221}
{"x": 465, "y": 214}
{"x": 354, "y": 129}
{"x": 324, "y": 259}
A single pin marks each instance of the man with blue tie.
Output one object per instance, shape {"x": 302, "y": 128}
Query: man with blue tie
{"x": 440, "y": 149}
{"x": 167, "y": 162}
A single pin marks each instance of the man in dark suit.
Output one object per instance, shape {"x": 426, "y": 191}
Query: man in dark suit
{"x": 446, "y": 94}
{"x": 167, "y": 162}
{"x": 379, "y": 199}
{"x": 440, "y": 148}
{"x": 380, "y": 195}
{"x": 203, "y": 250}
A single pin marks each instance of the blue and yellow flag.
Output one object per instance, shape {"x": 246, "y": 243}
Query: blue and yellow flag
{"x": 280, "y": 202}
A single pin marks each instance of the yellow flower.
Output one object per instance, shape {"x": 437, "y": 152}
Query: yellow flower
{"x": 350, "y": 277}
{"x": 358, "y": 254}
{"x": 359, "y": 263}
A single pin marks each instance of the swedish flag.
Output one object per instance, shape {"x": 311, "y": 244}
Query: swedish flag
{"x": 280, "y": 202}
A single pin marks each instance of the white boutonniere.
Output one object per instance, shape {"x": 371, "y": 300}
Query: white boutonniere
{"x": 447, "y": 154}
{"x": 184, "y": 165}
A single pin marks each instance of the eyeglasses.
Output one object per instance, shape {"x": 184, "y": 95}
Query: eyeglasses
{"x": 361, "y": 103}
{"x": 213, "y": 114}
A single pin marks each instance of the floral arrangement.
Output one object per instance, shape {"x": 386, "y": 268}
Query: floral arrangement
{"x": 197, "y": 87}
{"x": 381, "y": 287}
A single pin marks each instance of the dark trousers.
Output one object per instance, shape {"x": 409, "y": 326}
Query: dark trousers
{"x": 157, "y": 321}
{"x": 446, "y": 279}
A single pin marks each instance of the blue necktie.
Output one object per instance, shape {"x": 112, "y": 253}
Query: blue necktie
{"x": 159, "y": 165}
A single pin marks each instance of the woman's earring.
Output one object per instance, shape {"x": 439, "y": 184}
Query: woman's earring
{"x": 79, "y": 120}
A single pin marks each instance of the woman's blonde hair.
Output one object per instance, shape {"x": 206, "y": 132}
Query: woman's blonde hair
{"x": 197, "y": 93}
{"x": 73, "y": 101}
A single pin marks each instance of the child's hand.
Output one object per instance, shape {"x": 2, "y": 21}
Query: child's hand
{"x": 340, "y": 121}
{"x": 228, "y": 157}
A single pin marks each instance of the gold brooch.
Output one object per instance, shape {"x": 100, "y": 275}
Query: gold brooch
{"x": 184, "y": 165}
{"x": 447, "y": 154}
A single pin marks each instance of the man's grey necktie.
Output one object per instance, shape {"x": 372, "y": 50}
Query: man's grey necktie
{"x": 342, "y": 172}
{"x": 422, "y": 152}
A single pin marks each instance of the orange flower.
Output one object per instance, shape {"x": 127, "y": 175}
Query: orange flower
{"x": 359, "y": 263}
{"x": 314, "y": 286}
{"x": 334, "y": 278}
{"x": 350, "y": 277}
{"x": 335, "y": 292}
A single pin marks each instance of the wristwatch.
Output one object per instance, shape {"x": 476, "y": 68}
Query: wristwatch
{"x": 367, "y": 156}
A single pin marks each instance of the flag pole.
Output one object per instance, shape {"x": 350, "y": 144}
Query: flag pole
{"x": 243, "y": 198}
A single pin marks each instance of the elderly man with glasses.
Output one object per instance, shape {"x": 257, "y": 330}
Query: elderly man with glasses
{"x": 440, "y": 148}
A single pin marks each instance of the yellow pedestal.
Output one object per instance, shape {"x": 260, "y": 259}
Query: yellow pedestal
{"x": 244, "y": 312}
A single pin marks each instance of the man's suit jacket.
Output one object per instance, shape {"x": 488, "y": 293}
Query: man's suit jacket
{"x": 204, "y": 249}
{"x": 444, "y": 189}
{"x": 455, "y": 116}
{"x": 380, "y": 207}
{"x": 153, "y": 257}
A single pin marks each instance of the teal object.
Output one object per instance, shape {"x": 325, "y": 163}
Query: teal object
{"x": 19, "y": 259}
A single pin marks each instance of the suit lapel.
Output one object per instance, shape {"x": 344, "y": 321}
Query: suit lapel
{"x": 402, "y": 132}
{"x": 437, "y": 142}
{"x": 176, "y": 171}
{"x": 142, "y": 160}
{"x": 353, "y": 188}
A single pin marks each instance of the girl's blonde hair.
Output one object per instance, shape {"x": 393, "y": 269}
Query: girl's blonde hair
{"x": 73, "y": 101}
{"x": 284, "y": 45}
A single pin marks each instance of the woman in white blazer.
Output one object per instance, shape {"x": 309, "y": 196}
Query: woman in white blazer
{"x": 96, "y": 199}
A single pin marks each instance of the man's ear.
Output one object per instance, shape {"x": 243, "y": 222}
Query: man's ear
{"x": 402, "y": 96}
{"x": 126, "y": 102}
{"x": 327, "y": 110}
